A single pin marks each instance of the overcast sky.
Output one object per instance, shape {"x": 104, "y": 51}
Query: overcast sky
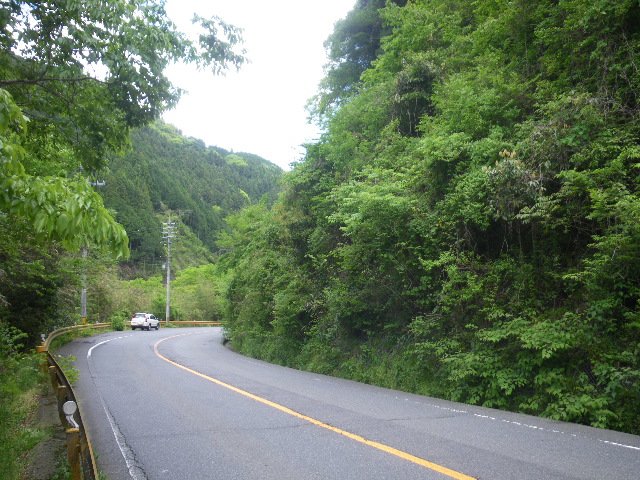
{"x": 261, "y": 108}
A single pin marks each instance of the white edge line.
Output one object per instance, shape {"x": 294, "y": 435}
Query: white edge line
{"x": 134, "y": 470}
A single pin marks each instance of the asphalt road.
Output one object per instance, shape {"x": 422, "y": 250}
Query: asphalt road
{"x": 176, "y": 404}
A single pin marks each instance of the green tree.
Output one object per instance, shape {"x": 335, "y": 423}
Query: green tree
{"x": 84, "y": 74}
{"x": 59, "y": 209}
{"x": 469, "y": 217}
{"x": 351, "y": 49}
{"x": 75, "y": 77}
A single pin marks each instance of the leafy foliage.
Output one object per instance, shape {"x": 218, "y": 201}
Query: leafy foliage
{"x": 19, "y": 381}
{"x": 167, "y": 172}
{"x": 469, "y": 217}
{"x": 86, "y": 72}
{"x": 351, "y": 48}
{"x": 75, "y": 78}
{"x": 194, "y": 295}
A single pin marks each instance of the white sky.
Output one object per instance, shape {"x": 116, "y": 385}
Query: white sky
{"x": 260, "y": 109}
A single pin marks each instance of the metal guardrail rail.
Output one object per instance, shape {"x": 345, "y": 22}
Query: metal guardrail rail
{"x": 79, "y": 451}
{"x": 75, "y": 328}
{"x": 184, "y": 323}
{"x": 195, "y": 323}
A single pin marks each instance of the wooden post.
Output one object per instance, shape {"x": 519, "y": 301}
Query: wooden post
{"x": 54, "y": 378}
{"x": 73, "y": 452}
{"x": 61, "y": 392}
{"x": 43, "y": 360}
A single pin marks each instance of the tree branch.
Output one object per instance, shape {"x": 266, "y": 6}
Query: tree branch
{"x": 35, "y": 81}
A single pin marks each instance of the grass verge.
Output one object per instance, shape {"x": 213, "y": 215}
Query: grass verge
{"x": 22, "y": 386}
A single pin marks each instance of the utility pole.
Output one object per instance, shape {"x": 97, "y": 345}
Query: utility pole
{"x": 83, "y": 294}
{"x": 168, "y": 234}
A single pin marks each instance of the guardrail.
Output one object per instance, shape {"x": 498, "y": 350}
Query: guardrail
{"x": 195, "y": 323}
{"x": 79, "y": 452}
{"x": 75, "y": 328}
{"x": 184, "y": 323}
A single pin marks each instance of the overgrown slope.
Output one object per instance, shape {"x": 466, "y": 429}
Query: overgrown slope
{"x": 166, "y": 172}
{"x": 468, "y": 225}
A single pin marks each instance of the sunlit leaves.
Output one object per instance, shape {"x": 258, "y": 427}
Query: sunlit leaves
{"x": 60, "y": 209}
{"x": 373, "y": 211}
{"x": 475, "y": 199}
{"x": 87, "y": 72}
{"x": 215, "y": 50}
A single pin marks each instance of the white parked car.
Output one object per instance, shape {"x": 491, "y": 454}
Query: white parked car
{"x": 144, "y": 321}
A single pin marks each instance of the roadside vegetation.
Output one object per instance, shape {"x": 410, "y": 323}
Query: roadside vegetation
{"x": 21, "y": 383}
{"x": 467, "y": 225}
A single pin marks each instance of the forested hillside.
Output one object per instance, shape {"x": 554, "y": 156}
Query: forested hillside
{"x": 162, "y": 174}
{"x": 468, "y": 226}
{"x": 165, "y": 172}
{"x": 75, "y": 79}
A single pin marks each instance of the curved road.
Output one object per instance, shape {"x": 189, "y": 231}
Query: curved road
{"x": 176, "y": 404}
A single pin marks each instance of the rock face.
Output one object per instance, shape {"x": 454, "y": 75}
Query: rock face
{"x": 45, "y": 457}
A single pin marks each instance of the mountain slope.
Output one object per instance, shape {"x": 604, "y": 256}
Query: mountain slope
{"x": 167, "y": 172}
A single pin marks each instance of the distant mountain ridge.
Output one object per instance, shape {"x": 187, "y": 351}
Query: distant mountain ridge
{"x": 166, "y": 171}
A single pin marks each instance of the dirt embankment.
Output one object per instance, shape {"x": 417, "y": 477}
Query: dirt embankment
{"x": 45, "y": 457}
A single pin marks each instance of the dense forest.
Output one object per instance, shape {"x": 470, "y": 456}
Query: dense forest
{"x": 76, "y": 78}
{"x": 468, "y": 226}
{"x": 165, "y": 172}
{"x": 164, "y": 175}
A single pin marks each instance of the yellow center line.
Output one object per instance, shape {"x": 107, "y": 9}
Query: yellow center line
{"x": 353, "y": 436}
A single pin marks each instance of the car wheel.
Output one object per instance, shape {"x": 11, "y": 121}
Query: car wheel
{"x": 133, "y": 328}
